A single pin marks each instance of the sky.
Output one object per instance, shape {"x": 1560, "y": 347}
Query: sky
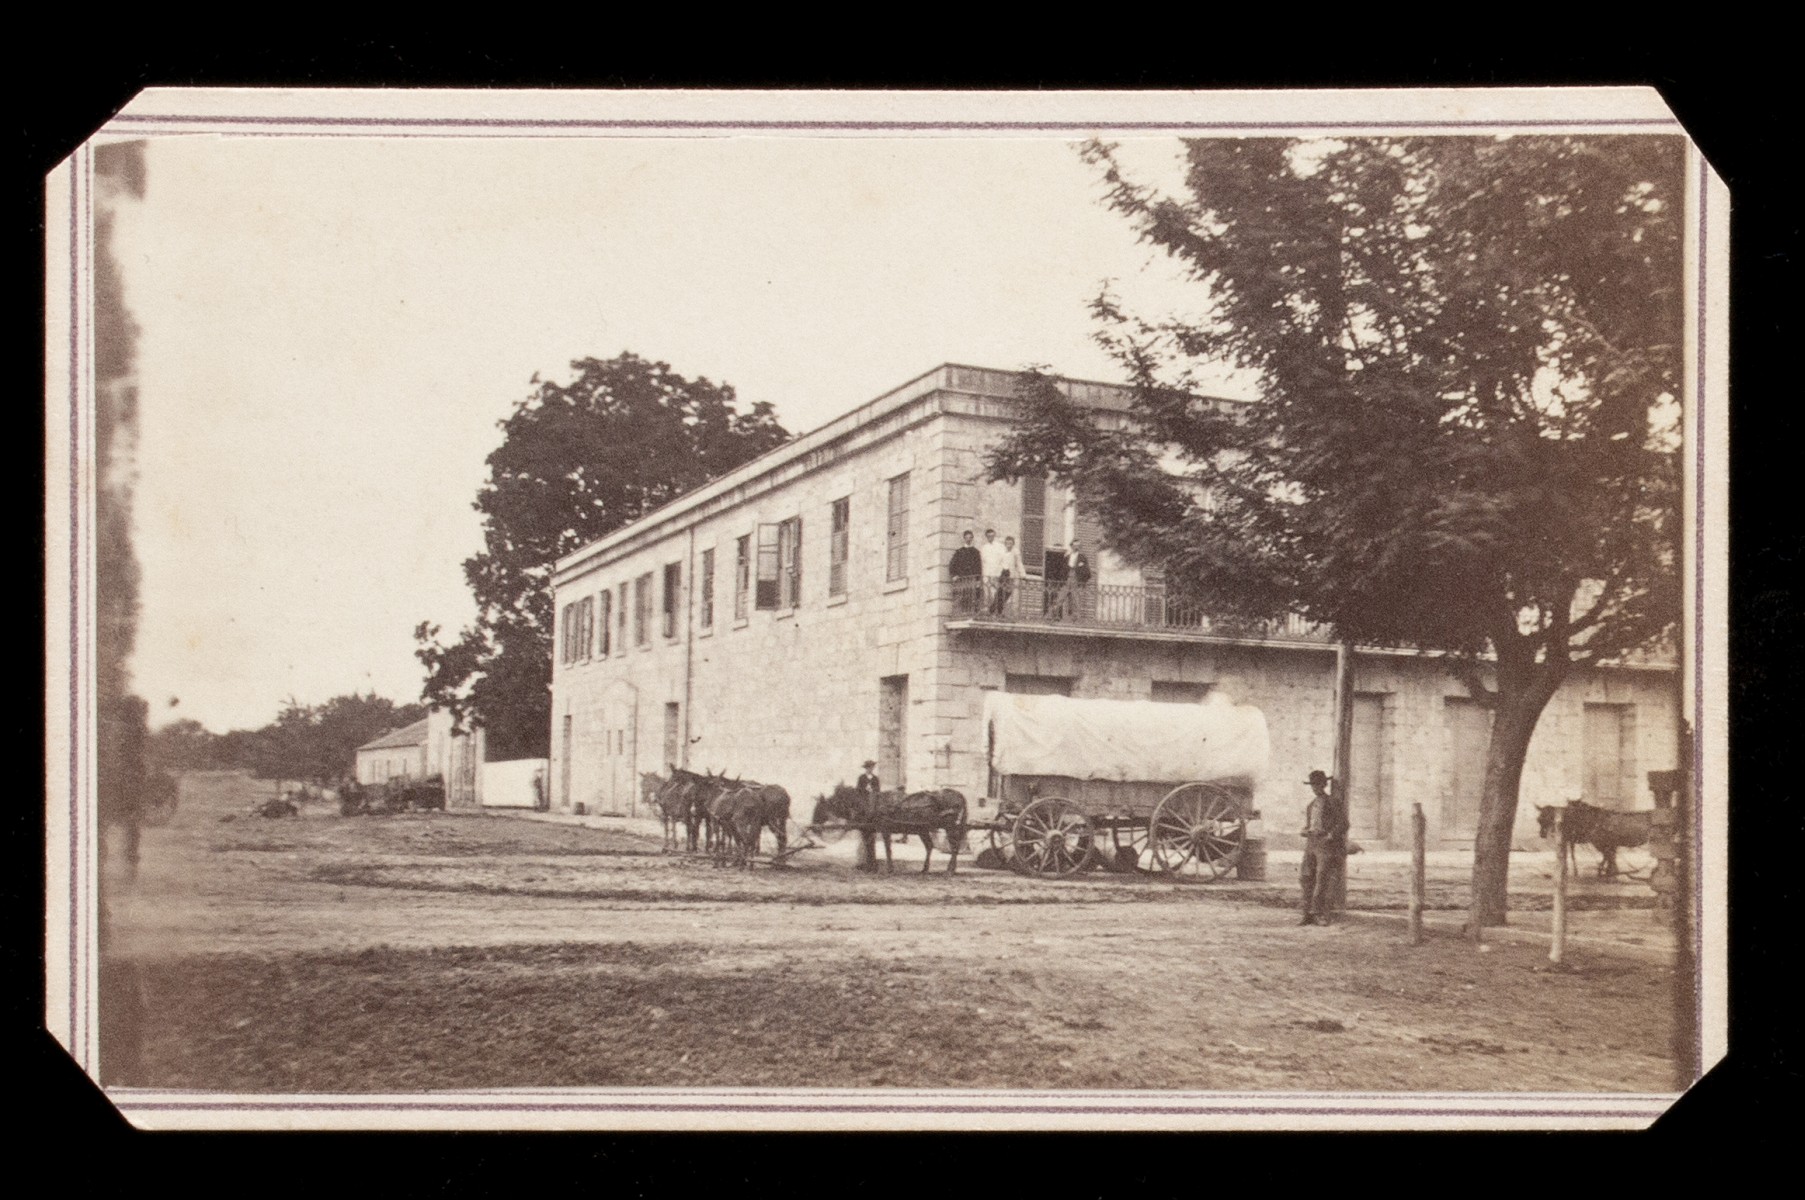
{"x": 331, "y": 329}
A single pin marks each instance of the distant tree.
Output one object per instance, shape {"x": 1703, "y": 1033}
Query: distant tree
{"x": 184, "y": 745}
{"x": 1469, "y": 355}
{"x": 317, "y": 743}
{"x": 576, "y": 461}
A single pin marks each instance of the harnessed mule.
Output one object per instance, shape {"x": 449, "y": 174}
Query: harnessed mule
{"x": 887, "y": 813}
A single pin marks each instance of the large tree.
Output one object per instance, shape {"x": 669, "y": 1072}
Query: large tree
{"x": 576, "y": 461}
{"x": 1468, "y": 355}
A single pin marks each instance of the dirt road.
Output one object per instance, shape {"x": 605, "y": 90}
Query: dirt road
{"x": 446, "y": 950}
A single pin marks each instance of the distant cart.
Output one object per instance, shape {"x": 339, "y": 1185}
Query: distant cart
{"x": 1121, "y": 785}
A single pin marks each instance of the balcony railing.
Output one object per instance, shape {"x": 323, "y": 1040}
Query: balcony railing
{"x": 1108, "y": 606}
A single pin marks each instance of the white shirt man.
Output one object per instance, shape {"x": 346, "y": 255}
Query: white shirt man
{"x": 1011, "y": 572}
{"x": 993, "y": 556}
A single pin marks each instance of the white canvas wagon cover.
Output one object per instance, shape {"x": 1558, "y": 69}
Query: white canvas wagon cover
{"x": 1126, "y": 740}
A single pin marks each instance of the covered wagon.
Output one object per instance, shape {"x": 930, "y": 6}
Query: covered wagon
{"x": 1125, "y": 785}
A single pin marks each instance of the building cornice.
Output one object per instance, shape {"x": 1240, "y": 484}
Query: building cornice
{"x": 981, "y": 392}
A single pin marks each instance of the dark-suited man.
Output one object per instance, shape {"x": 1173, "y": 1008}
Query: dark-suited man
{"x": 1325, "y": 849}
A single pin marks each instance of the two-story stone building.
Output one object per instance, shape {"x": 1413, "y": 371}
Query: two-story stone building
{"x": 795, "y": 617}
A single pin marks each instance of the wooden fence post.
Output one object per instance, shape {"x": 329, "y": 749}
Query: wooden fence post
{"x": 1557, "y": 946}
{"x": 1418, "y": 871}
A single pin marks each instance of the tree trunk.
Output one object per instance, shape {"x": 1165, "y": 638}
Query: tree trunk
{"x": 1513, "y": 722}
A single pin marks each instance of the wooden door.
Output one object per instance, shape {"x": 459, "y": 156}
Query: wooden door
{"x": 892, "y": 729}
{"x": 1469, "y": 732}
{"x": 564, "y": 755}
{"x": 1367, "y": 808}
{"x": 1605, "y": 757}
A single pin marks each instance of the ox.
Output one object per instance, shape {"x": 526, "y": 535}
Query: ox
{"x": 1604, "y": 829}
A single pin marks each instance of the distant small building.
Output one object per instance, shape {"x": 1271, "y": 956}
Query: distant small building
{"x": 428, "y": 747}
{"x": 398, "y": 754}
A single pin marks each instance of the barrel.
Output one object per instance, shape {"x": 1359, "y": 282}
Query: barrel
{"x": 1252, "y": 866}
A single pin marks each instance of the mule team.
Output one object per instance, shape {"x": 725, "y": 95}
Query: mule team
{"x": 726, "y": 818}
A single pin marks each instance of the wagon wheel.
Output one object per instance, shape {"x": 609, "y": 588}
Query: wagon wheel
{"x": 1196, "y": 832}
{"x": 1053, "y": 838}
{"x": 1001, "y": 839}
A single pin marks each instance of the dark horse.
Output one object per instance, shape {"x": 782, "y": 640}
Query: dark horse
{"x": 669, "y": 797}
{"x": 743, "y": 812}
{"x": 685, "y": 797}
{"x": 887, "y": 813}
{"x": 1604, "y": 829}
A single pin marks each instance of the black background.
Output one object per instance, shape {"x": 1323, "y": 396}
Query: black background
{"x": 1739, "y": 103}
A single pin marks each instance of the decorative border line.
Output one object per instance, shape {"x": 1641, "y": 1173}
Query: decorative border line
{"x": 82, "y": 957}
{"x": 1697, "y": 782}
{"x": 901, "y": 126}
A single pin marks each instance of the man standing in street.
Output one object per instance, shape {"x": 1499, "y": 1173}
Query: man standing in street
{"x": 1325, "y": 849}
{"x": 967, "y": 570}
{"x": 869, "y": 790}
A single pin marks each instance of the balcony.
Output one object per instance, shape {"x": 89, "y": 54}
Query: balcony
{"x": 1110, "y": 609}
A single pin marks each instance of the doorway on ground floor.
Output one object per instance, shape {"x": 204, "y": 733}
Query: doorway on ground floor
{"x": 892, "y": 730}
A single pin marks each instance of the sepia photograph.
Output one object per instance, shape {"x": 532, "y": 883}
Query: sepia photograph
{"x": 825, "y": 610}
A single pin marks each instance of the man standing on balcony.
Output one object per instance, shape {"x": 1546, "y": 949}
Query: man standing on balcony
{"x": 967, "y": 570}
{"x": 1011, "y": 577}
{"x": 995, "y": 561}
{"x": 1070, "y": 602}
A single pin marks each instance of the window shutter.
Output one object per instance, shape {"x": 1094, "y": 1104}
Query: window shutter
{"x": 793, "y": 582}
{"x": 837, "y": 547}
{"x": 896, "y": 533}
{"x": 1034, "y": 524}
{"x": 767, "y": 591}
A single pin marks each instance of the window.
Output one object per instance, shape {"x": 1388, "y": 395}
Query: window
{"x": 742, "y": 575}
{"x": 623, "y": 618}
{"x": 577, "y": 626}
{"x": 1172, "y": 691}
{"x": 780, "y": 564}
{"x": 642, "y": 610}
{"x": 707, "y": 616}
{"x": 837, "y": 546}
{"x": 673, "y": 584}
{"x": 1034, "y": 524}
{"x": 606, "y": 608}
{"x": 789, "y": 562}
{"x": 1038, "y": 685}
{"x": 896, "y": 532}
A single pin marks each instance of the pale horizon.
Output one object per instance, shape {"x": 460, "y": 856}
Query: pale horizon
{"x": 331, "y": 330}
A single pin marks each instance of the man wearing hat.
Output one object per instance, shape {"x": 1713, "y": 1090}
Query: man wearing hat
{"x": 1325, "y": 849}
{"x": 868, "y": 791}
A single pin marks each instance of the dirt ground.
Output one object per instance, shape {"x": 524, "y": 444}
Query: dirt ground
{"x": 429, "y": 951}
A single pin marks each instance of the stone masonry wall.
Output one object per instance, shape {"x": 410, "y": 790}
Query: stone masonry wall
{"x": 787, "y": 696}
{"x": 1294, "y": 688}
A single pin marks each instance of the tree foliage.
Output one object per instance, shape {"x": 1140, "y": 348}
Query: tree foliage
{"x": 1468, "y": 353}
{"x": 305, "y": 742}
{"x": 576, "y": 461}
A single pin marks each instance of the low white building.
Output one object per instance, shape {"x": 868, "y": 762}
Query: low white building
{"x": 430, "y": 746}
